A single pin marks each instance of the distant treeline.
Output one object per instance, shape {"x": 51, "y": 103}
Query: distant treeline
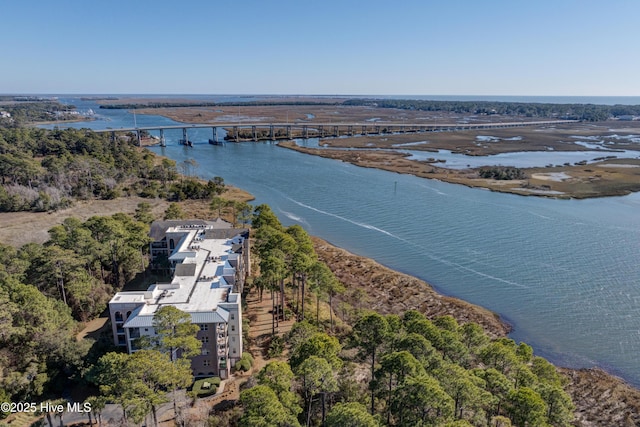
{"x": 589, "y": 112}
{"x": 39, "y": 111}
{"x": 208, "y": 104}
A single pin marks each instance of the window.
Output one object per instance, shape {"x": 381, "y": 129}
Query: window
{"x": 232, "y": 317}
{"x": 205, "y": 351}
{"x": 233, "y": 339}
{"x": 206, "y": 362}
{"x": 205, "y": 340}
{"x": 118, "y": 316}
{"x": 233, "y": 328}
{"x": 204, "y": 327}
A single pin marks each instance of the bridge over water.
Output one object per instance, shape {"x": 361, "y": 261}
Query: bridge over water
{"x": 256, "y": 131}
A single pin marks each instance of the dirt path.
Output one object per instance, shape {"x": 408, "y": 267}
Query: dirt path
{"x": 92, "y": 327}
{"x": 259, "y": 313}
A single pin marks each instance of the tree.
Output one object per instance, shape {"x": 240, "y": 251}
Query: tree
{"x": 420, "y": 348}
{"x": 138, "y": 381}
{"x": 263, "y": 215}
{"x": 559, "y": 405}
{"x": 176, "y": 334}
{"x": 421, "y": 401}
{"x": 500, "y": 355}
{"x": 527, "y": 407}
{"x": 427, "y": 329}
{"x": 216, "y": 186}
{"x": 317, "y": 377}
{"x": 176, "y": 337}
{"x": 278, "y": 377}
{"x": 111, "y": 375}
{"x": 263, "y": 409}
{"x": 497, "y": 384}
{"x": 272, "y": 272}
{"x": 143, "y": 213}
{"x": 217, "y": 204}
{"x": 243, "y": 210}
{"x": 369, "y": 333}
{"x": 465, "y": 389}
{"x": 394, "y": 369}
{"x": 473, "y": 336}
{"x": 328, "y": 283}
{"x": 319, "y": 344}
{"x": 174, "y": 211}
{"x": 351, "y": 414}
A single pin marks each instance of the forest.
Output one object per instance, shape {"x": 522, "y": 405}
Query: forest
{"x": 42, "y": 170}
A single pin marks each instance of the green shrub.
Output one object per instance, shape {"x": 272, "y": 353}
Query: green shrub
{"x": 199, "y": 390}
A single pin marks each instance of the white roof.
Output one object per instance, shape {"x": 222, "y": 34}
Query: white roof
{"x": 198, "y": 294}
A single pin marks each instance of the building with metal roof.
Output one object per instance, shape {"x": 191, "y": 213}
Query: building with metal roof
{"x": 209, "y": 263}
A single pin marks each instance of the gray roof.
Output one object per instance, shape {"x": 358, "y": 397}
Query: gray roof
{"x": 185, "y": 270}
{"x": 139, "y": 322}
{"x": 220, "y": 315}
{"x": 225, "y": 233}
{"x": 159, "y": 228}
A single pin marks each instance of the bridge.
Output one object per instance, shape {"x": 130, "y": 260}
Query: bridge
{"x": 255, "y": 131}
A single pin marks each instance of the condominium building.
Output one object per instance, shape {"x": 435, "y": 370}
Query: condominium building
{"x": 208, "y": 261}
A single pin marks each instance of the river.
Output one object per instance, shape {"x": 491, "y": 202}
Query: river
{"x": 564, "y": 273}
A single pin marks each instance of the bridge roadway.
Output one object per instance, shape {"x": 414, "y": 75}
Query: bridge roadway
{"x": 312, "y": 129}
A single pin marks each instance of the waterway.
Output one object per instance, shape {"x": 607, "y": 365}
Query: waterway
{"x": 564, "y": 273}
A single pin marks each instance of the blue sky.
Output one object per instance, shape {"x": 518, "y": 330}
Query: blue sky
{"x": 428, "y": 47}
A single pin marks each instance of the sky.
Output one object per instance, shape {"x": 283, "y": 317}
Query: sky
{"x": 421, "y": 47}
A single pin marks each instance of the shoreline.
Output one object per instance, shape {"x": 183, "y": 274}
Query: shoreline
{"x": 600, "y": 397}
{"x": 581, "y": 182}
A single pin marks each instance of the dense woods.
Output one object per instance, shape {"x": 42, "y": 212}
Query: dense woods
{"x": 45, "y": 290}
{"x": 43, "y": 170}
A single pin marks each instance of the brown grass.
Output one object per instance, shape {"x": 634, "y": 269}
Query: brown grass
{"x": 19, "y": 228}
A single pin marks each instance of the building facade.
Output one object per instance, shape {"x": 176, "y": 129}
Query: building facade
{"x": 208, "y": 263}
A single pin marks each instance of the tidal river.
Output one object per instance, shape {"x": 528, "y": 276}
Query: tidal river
{"x": 564, "y": 273}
